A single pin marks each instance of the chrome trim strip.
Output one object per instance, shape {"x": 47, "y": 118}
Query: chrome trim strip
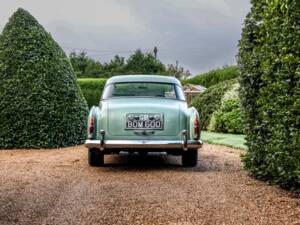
{"x": 146, "y": 144}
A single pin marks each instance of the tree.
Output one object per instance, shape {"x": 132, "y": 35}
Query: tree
{"x": 115, "y": 67}
{"x": 85, "y": 66}
{"x": 137, "y": 63}
{"x": 41, "y": 105}
{"x": 178, "y": 72}
{"x": 140, "y": 63}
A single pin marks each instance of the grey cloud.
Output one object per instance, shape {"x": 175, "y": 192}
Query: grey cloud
{"x": 200, "y": 34}
{"x": 199, "y": 38}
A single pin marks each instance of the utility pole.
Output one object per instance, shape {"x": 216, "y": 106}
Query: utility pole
{"x": 155, "y": 52}
{"x": 176, "y": 68}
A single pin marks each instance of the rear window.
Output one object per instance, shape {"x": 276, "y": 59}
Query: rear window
{"x": 143, "y": 89}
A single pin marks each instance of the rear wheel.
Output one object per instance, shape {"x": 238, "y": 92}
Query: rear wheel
{"x": 95, "y": 157}
{"x": 190, "y": 158}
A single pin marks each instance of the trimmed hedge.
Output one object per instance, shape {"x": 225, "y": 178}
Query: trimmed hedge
{"x": 214, "y": 77}
{"x": 41, "y": 105}
{"x": 209, "y": 101}
{"x": 269, "y": 60}
{"x": 92, "y": 89}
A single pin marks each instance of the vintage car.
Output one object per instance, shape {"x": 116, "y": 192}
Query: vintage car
{"x": 141, "y": 114}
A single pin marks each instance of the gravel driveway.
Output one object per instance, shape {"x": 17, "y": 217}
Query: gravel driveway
{"x": 58, "y": 187}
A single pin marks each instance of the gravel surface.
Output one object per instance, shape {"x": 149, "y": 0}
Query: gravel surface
{"x": 58, "y": 187}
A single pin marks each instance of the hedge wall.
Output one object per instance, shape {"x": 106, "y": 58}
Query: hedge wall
{"x": 214, "y": 77}
{"x": 92, "y": 89}
{"x": 41, "y": 105}
{"x": 269, "y": 60}
{"x": 209, "y": 101}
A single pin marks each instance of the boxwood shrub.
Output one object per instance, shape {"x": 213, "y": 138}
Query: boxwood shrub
{"x": 41, "y": 105}
{"x": 210, "y": 100}
{"x": 92, "y": 89}
{"x": 227, "y": 119}
{"x": 269, "y": 60}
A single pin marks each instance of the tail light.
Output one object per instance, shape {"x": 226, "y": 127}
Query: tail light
{"x": 91, "y": 125}
{"x": 197, "y": 127}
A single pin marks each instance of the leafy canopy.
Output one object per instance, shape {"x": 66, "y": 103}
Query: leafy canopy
{"x": 137, "y": 63}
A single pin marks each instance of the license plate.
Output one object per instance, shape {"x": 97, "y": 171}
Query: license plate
{"x": 151, "y": 121}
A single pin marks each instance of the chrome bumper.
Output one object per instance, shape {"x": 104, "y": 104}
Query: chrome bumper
{"x": 143, "y": 144}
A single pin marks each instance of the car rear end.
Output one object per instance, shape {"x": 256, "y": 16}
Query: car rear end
{"x": 143, "y": 115}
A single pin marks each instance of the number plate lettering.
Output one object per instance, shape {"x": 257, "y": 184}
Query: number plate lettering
{"x": 151, "y": 121}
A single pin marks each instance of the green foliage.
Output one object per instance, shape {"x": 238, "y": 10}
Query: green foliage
{"x": 41, "y": 105}
{"x": 137, "y": 63}
{"x": 178, "y": 72}
{"x": 116, "y": 66}
{"x": 209, "y": 101}
{"x": 85, "y": 66}
{"x": 228, "y": 117}
{"x": 140, "y": 63}
{"x": 269, "y": 60}
{"x": 214, "y": 77}
{"x": 92, "y": 89}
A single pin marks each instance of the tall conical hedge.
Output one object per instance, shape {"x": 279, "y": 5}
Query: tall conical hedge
{"x": 41, "y": 105}
{"x": 269, "y": 60}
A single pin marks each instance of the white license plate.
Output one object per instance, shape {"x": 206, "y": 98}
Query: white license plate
{"x": 151, "y": 121}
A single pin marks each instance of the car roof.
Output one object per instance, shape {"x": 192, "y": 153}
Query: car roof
{"x": 143, "y": 78}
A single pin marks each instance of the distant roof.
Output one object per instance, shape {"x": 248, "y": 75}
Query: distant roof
{"x": 194, "y": 88}
{"x": 143, "y": 78}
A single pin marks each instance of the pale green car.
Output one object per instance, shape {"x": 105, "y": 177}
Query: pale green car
{"x": 143, "y": 113}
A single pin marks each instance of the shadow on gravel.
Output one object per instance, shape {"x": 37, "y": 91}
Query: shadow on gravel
{"x": 158, "y": 162}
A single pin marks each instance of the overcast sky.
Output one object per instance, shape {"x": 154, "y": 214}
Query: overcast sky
{"x": 200, "y": 34}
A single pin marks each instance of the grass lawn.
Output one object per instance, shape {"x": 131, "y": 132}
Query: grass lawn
{"x": 230, "y": 140}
